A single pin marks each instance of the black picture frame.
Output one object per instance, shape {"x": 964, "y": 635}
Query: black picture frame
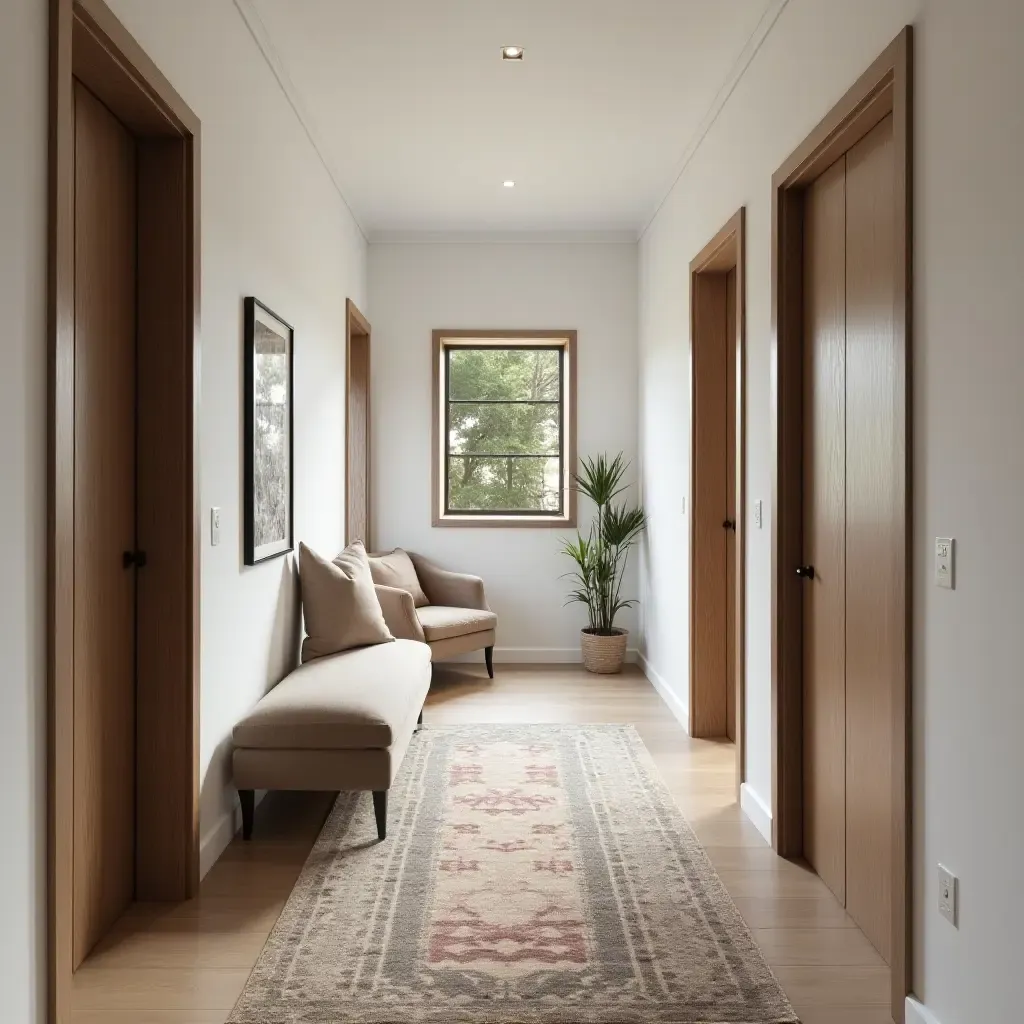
{"x": 258, "y": 545}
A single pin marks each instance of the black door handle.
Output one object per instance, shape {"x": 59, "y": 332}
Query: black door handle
{"x": 729, "y": 524}
{"x": 805, "y": 572}
{"x": 136, "y": 558}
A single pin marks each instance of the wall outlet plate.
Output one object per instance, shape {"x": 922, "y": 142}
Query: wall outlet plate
{"x": 948, "y": 896}
{"x": 759, "y": 513}
{"x": 945, "y": 552}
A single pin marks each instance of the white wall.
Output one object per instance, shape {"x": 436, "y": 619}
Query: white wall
{"x": 23, "y": 112}
{"x": 969, "y": 420}
{"x": 273, "y": 226}
{"x": 417, "y": 287}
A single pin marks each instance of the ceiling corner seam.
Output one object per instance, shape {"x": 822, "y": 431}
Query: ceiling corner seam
{"x": 736, "y": 73}
{"x": 254, "y": 23}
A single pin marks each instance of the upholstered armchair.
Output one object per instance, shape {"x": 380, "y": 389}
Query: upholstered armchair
{"x": 446, "y": 610}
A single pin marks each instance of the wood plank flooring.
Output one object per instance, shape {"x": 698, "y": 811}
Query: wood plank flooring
{"x": 186, "y": 964}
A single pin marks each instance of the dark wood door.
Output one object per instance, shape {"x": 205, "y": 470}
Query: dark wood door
{"x": 710, "y": 507}
{"x": 357, "y": 440}
{"x": 825, "y": 527}
{"x": 732, "y": 512}
{"x": 872, "y": 551}
{"x": 104, "y": 470}
{"x": 851, "y": 627}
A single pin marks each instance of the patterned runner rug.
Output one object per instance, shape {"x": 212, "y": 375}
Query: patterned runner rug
{"x": 531, "y": 875}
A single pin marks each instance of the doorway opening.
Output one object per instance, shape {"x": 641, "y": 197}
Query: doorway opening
{"x": 841, "y": 310}
{"x": 123, "y": 563}
{"x": 717, "y": 313}
{"x": 357, "y": 426}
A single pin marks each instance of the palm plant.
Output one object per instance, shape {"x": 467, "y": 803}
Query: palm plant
{"x": 601, "y": 555}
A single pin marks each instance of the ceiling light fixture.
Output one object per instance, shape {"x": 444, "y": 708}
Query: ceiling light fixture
{"x": 509, "y": 184}
{"x": 511, "y": 53}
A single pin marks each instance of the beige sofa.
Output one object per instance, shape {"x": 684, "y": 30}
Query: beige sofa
{"x": 455, "y": 621}
{"x": 341, "y": 722}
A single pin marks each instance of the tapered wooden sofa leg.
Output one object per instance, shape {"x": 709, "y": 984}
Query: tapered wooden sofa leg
{"x": 489, "y": 658}
{"x": 247, "y": 798}
{"x": 380, "y": 811}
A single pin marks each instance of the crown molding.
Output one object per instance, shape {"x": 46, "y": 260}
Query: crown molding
{"x": 253, "y": 21}
{"x": 738, "y": 70}
{"x": 503, "y": 238}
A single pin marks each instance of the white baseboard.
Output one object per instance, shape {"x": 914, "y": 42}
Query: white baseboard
{"x": 756, "y": 810}
{"x": 918, "y": 1013}
{"x": 668, "y": 695}
{"x": 216, "y": 840}
{"x": 533, "y": 656}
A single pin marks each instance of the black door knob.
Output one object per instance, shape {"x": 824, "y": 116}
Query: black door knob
{"x": 805, "y": 572}
{"x": 729, "y": 524}
{"x": 136, "y": 558}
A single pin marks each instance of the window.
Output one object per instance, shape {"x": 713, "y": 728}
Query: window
{"x": 505, "y": 428}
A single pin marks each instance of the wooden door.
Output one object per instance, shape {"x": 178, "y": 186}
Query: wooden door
{"x": 357, "y": 439}
{"x": 873, "y": 661}
{"x": 732, "y": 513}
{"x": 104, "y": 471}
{"x": 710, "y": 507}
{"x": 824, "y": 672}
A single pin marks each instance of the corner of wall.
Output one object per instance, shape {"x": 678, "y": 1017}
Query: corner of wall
{"x": 918, "y": 1013}
{"x": 218, "y": 839}
{"x": 756, "y": 810}
{"x": 668, "y": 695}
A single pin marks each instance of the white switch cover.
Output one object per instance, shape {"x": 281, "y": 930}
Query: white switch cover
{"x": 682, "y": 507}
{"x": 758, "y": 513}
{"x": 944, "y": 567}
{"x": 214, "y": 527}
{"x": 948, "y": 886}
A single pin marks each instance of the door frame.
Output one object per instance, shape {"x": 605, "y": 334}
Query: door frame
{"x": 88, "y": 43}
{"x": 356, "y": 326}
{"x": 725, "y": 252}
{"x": 885, "y": 88}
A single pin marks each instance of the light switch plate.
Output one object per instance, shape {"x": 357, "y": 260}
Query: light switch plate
{"x": 214, "y": 527}
{"x": 945, "y": 552}
{"x": 948, "y": 894}
{"x": 759, "y": 513}
{"x": 682, "y": 507}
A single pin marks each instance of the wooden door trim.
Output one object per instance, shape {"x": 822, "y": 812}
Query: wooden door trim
{"x": 725, "y": 252}
{"x": 88, "y": 43}
{"x": 356, "y": 325}
{"x": 885, "y": 88}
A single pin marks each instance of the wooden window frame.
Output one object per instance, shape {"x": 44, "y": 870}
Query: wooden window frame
{"x": 885, "y": 88}
{"x": 444, "y": 340}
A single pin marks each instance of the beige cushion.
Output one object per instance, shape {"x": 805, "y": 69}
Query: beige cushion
{"x": 358, "y": 700}
{"x": 339, "y": 603}
{"x": 440, "y": 622}
{"x": 395, "y": 569}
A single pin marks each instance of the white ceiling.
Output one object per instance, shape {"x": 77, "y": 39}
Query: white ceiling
{"x": 420, "y": 121}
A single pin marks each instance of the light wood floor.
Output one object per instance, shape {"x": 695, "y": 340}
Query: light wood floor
{"x": 187, "y": 964}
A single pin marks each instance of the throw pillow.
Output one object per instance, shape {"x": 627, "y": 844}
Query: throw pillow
{"x": 395, "y": 569}
{"x": 339, "y": 603}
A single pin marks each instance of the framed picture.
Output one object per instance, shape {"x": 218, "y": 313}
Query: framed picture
{"x": 268, "y": 433}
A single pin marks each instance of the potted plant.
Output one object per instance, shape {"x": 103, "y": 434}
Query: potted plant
{"x": 600, "y": 559}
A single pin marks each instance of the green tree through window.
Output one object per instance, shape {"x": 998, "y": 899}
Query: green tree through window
{"x": 504, "y": 420}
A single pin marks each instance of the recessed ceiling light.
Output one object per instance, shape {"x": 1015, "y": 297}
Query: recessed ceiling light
{"x": 511, "y": 53}
{"x": 509, "y": 184}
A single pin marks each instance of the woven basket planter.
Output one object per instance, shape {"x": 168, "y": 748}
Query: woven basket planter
{"x": 604, "y": 654}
